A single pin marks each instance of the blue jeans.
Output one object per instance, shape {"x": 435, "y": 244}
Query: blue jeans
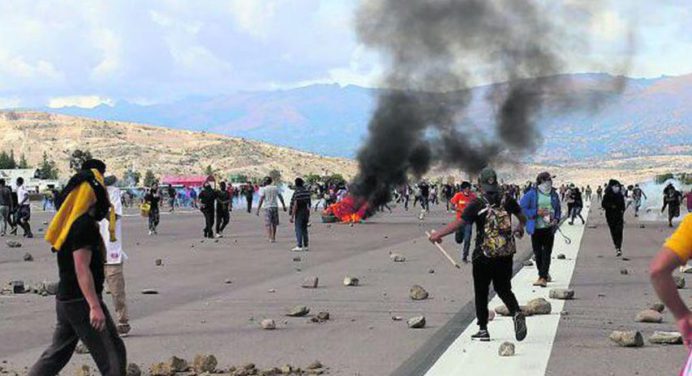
{"x": 301, "y": 226}
{"x": 467, "y": 240}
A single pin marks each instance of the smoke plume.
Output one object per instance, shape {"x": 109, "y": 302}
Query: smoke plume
{"x": 432, "y": 49}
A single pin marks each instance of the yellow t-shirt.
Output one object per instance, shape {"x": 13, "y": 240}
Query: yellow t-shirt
{"x": 681, "y": 240}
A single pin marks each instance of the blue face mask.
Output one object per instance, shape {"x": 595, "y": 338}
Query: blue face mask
{"x": 546, "y": 186}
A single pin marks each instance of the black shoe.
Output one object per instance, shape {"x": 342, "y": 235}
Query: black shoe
{"x": 482, "y": 335}
{"x": 465, "y": 260}
{"x": 519, "y": 326}
{"x": 618, "y": 252}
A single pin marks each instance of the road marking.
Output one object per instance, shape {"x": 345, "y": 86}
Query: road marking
{"x": 464, "y": 357}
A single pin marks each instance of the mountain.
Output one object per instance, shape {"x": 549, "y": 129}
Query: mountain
{"x": 650, "y": 117}
{"x": 163, "y": 150}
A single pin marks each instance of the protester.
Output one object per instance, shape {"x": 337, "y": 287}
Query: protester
{"x": 23, "y": 208}
{"x": 153, "y": 198}
{"x": 494, "y": 251}
{"x": 676, "y": 251}
{"x": 637, "y": 195}
{"x": 6, "y": 206}
{"x": 541, "y": 206}
{"x": 599, "y": 193}
{"x": 672, "y": 198}
{"x": 249, "y": 192}
{"x": 81, "y": 314}
{"x": 207, "y": 199}
{"x": 448, "y": 194}
{"x": 193, "y": 198}
{"x": 463, "y": 235}
{"x": 269, "y": 194}
{"x": 614, "y": 205}
{"x": 300, "y": 214}
{"x": 223, "y": 208}
{"x": 588, "y": 193}
{"x": 424, "y": 195}
{"x": 577, "y": 206}
{"x": 115, "y": 256}
{"x": 172, "y": 193}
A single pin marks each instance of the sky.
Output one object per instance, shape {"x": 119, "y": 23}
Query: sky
{"x": 89, "y": 52}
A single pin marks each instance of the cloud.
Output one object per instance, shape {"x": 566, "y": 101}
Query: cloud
{"x": 84, "y": 101}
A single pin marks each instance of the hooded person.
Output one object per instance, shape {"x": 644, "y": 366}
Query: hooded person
{"x": 493, "y": 254}
{"x": 115, "y": 257}
{"x": 207, "y": 198}
{"x": 541, "y": 206}
{"x": 672, "y": 198}
{"x": 614, "y": 205}
{"x": 81, "y": 314}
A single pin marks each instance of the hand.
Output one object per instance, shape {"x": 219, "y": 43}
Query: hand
{"x": 435, "y": 237}
{"x": 685, "y": 328}
{"x": 519, "y": 232}
{"x": 291, "y": 220}
{"x": 97, "y": 318}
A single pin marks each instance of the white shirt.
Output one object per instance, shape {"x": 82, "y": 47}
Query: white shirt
{"x": 270, "y": 194}
{"x": 22, "y": 194}
{"x": 114, "y": 250}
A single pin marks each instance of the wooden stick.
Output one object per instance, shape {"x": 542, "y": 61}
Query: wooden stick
{"x": 445, "y": 253}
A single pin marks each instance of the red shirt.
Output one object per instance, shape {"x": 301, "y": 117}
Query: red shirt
{"x": 460, "y": 200}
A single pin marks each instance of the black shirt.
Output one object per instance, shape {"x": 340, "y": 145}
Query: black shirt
{"x": 5, "y": 196}
{"x": 471, "y": 215}
{"x": 84, "y": 234}
{"x": 207, "y": 198}
{"x": 301, "y": 198}
{"x": 223, "y": 196}
{"x": 153, "y": 200}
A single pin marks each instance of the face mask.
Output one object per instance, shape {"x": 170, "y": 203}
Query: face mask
{"x": 546, "y": 186}
{"x": 616, "y": 189}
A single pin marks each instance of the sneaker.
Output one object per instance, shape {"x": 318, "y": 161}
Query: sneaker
{"x": 217, "y": 236}
{"x": 305, "y": 249}
{"x": 297, "y": 249}
{"x": 150, "y": 233}
{"x": 538, "y": 282}
{"x": 618, "y": 252}
{"x": 482, "y": 335}
{"x": 519, "y": 326}
{"x": 465, "y": 260}
{"x": 123, "y": 329}
{"x": 29, "y": 235}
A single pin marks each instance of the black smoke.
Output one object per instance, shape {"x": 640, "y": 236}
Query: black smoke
{"x": 432, "y": 49}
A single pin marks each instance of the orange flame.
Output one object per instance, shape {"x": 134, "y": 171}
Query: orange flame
{"x": 348, "y": 210}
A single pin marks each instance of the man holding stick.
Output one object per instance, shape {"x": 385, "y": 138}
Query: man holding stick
{"x": 493, "y": 254}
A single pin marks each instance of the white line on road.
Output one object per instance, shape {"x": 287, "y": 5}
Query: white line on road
{"x": 465, "y": 357}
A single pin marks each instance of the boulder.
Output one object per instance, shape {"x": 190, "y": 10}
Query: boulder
{"x": 315, "y": 365}
{"x": 351, "y": 281}
{"x": 416, "y": 322}
{"x": 539, "y": 306}
{"x": 28, "y": 257}
{"x": 17, "y": 287}
{"x": 502, "y": 310}
{"x": 310, "y": 282}
{"x": 298, "y": 311}
{"x": 133, "y": 370}
{"x": 161, "y": 369}
{"x": 323, "y": 316}
{"x": 268, "y": 324}
{"x": 204, "y": 363}
{"x": 13, "y": 244}
{"x": 650, "y": 316}
{"x": 177, "y": 364}
{"x": 418, "y": 293}
{"x": 666, "y": 338}
{"x": 679, "y": 281}
{"x": 658, "y": 307}
{"x": 506, "y": 349}
{"x": 431, "y": 271}
{"x": 158, "y": 262}
{"x": 561, "y": 256}
{"x": 627, "y": 338}
{"x": 396, "y": 257}
{"x": 562, "y": 294}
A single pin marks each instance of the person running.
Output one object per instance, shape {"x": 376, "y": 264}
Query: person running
{"x": 463, "y": 235}
{"x": 541, "y": 205}
{"x": 577, "y": 206}
{"x": 81, "y": 314}
{"x": 172, "y": 193}
{"x": 614, "y": 205}
{"x": 269, "y": 194}
{"x": 249, "y": 192}
{"x": 6, "y": 206}
{"x": 676, "y": 251}
{"x": 494, "y": 251}
{"x": 115, "y": 257}
{"x": 207, "y": 198}
{"x": 223, "y": 208}
{"x": 24, "y": 208}
{"x": 672, "y": 198}
{"x": 153, "y": 198}
{"x": 424, "y": 196}
{"x": 300, "y": 214}
{"x": 637, "y": 195}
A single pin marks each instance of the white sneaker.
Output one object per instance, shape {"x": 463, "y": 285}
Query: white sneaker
{"x": 296, "y": 249}
{"x": 150, "y": 233}
{"x": 305, "y": 249}
{"x": 218, "y": 236}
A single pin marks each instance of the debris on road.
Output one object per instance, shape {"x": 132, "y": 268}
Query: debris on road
{"x": 351, "y": 281}
{"x": 396, "y": 257}
{"x": 649, "y": 316}
{"x": 158, "y": 262}
{"x": 416, "y": 322}
{"x": 627, "y": 338}
{"x": 81, "y": 348}
{"x": 539, "y": 306}
{"x": 506, "y": 349}
{"x": 133, "y": 370}
{"x": 150, "y": 292}
{"x": 268, "y": 324}
{"x": 666, "y": 338}
{"x": 310, "y": 282}
{"x": 679, "y": 281}
{"x": 28, "y": 257}
{"x": 298, "y": 311}
{"x": 562, "y": 294}
{"x": 658, "y": 307}
{"x": 204, "y": 363}
{"x": 418, "y": 293}
{"x": 561, "y": 256}
{"x": 624, "y": 271}
{"x": 13, "y": 244}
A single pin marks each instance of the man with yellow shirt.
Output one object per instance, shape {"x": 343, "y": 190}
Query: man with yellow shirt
{"x": 675, "y": 252}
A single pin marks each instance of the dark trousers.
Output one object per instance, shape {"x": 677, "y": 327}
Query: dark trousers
{"x": 616, "y": 224}
{"x": 463, "y": 236}
{"x": 105, "y": 347}
{"x": 301, "y": 226}
{"x": 576, "y": 212}
{"x": 222, "y": 219}
{"x": 23, "y": 217}
{"x": 154, "y": 218}
{"x": 249, "y": 203}
{"x": 208, "y": 223}
{"x": 499, "y": 272}
{"x": 542, "y": 242}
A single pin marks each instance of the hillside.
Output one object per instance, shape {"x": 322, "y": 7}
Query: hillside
{"x": 164, "y": 151}
{"x": 650, "y": 117}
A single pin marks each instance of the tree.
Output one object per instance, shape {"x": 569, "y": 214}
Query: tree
{"x": 13, "y": 162}
{"x": 22, "y": 162}
{"x": 78, "y": 158}
{"x": 4, "y": 161}
{"x": 149, "y": 178}
{"x": 312, "y": 178}
{"x": 131, "y": 178}
{"x": 209, "y": 171}
{"x": 47, "y": 169}
{"x": 337, "y": 179}
{"x": 275, "y": 175}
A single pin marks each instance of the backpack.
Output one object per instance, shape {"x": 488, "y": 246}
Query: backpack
{"x": 498, "y": 240}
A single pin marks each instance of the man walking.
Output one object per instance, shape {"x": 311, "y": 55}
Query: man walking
{"x": 494, "y": 251}
{"x": 6, "y": 206}
{"x": 269, "y": 194}
{"x": 672, "y": 198}
{"x": 81, "y": 313}
{"x": 614, "y": 205}
{"x": 115, "y": 256}
{"x": 300, "y": 214}
{"x": 463, "y": 235}
{"x": 207, "y": 198}
{"x": 223, "y": 208}
{"x": 249, "y": 192}
{"x": 541, "y": 206}
{"x": 23, "y": 208}
{"x": 172, "y": 193}
{"x": 637, "y": 195}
